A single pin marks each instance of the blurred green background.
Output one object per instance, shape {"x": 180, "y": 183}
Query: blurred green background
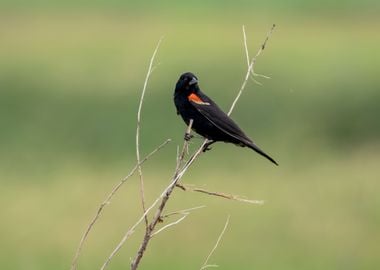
{"x": 70, "y": 77}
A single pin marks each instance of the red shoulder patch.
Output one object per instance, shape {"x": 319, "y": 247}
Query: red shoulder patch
{"x": 194, "y": 98}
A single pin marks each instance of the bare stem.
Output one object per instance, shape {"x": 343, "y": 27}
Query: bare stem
{"x": 74, "y": 264}
{"x": 138, "y": 129}
{"x": 219, "y": 194}
{"x": 184, "y": 211}
{"x": 245, "y": 46}
{"x": 250, "y": 66}
{"x": 170, "y": 225}
{"x": 205, "y": 264}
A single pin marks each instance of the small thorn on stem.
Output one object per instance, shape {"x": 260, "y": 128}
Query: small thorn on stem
{"x": 180, "y": 186}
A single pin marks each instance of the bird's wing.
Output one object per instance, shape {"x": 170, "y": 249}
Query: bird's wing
{"x": 217, "y": 117}
{"x": 221, "y": 120}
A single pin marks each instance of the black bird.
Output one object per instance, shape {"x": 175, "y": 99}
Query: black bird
{"x": 208, "y": 119}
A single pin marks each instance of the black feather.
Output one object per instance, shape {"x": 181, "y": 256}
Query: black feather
{"x": 209, "y": 120}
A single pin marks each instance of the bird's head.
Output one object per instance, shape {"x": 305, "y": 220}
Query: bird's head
{"x": 187, "y": 83}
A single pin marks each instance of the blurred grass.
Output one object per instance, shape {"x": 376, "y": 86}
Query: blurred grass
{"x": 198, "y": 5}
{"x": 69, "y": 86}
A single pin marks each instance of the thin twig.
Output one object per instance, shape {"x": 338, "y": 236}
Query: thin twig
{"x": 184, "y": 214}
{"x": 74, "y": 264}
{"x": 247, "y": 57}
{"x": 184, "y": 211}
{"x": 177, "y": 156}
{"x": 254, "y": 74}
{"x": 263, "y": 46}
{"x": 169, "y": 225}
{"x": 251, "y": 67}
{"x": 205, "y": 264}
{"x": 260, "y": 75}
{"x": 245, "y": 46}
{"x": 138, "y": 128}
{"x": 219, "y": 194}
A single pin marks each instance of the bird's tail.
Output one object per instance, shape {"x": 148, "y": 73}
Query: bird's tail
{"x": 261, "y": 152}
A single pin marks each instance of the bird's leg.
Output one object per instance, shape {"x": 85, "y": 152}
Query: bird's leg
{"x": 207, "y": 146}
{"x": 188, "y": 136}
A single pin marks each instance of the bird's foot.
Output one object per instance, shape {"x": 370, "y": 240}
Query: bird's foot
{"x": 188, "y": 137}
{"x": 207, "y": 147}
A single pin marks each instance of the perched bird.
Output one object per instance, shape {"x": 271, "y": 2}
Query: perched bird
{"x": 208, "y": 119}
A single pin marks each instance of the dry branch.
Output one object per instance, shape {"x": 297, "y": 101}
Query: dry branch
{"x": 169, "y": 225}
{"x": 182, "y": 212}
{"x": 218, "y": 194}
{"x": 251, "y": 65}
{"x": 74, "y": 264}
{"x": 205, "y": 264}
{"x": 149, "y": 72}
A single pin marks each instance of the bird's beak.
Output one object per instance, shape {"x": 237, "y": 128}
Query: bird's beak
{"x": 193, "y": 81}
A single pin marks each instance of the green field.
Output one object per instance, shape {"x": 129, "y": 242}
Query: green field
{"x": 70, "y": 79}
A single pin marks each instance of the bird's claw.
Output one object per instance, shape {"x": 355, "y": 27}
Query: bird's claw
{"x": 188, "y": 137}
{"x": 207, "y": 147}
